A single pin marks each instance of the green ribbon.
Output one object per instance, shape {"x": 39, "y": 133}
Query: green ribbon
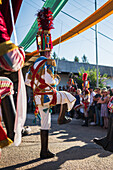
{"x": 43, "y": 42}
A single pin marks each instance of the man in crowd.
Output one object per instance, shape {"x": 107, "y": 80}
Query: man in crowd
{"x": 98, "y": 107}
{"x": 92, "y": 114}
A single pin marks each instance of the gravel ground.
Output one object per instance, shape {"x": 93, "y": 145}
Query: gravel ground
{"x": 71, "y": 142}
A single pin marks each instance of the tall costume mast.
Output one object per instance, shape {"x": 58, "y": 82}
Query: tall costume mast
{"x": 86, "y": 97}
{"x": 42, "y": 79}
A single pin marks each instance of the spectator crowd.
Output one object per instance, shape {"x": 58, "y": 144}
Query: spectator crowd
{"x": 97, "y": 105}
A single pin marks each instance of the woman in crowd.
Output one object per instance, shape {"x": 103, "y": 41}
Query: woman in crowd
{"x": 107, "y": 141}
{"x": 104, "y": 110}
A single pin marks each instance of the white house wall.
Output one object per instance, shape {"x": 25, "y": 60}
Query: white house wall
{"x": 109, "y": 82}
{"x": 64, "y": 80}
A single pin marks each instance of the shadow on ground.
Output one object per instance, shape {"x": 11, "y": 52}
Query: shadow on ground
{"x": 69, "y": 133}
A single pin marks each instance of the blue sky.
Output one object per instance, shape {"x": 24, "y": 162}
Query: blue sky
{"x": 80, "y": 44}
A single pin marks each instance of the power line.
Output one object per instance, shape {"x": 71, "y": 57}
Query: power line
{"x": 90, "y": 28}
{"x": 79, "y": 22}
{"x": 91, "y": 1}
{"x": 89, "y": 10}
{"x": 82, "y": 6}
{"x": 88, "y": 40}
{"x": 30, "y": 4}
{"x": 35, "y": 3}
{"x": 23, "y": 26}
{"x": 94, "y": 2}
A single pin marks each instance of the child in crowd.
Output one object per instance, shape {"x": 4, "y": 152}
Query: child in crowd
{"x": 78, "y": 100}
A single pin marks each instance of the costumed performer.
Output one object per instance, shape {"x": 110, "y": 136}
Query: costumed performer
{"x": 6, "y": 89}
{"x": 86, "y": 101}
{"x": 11, "y": 59}
{"x": 107, "y": 141}
{"x": 42, "y": 79}
{"x": 71, "y": 89}
{"x": 85, "y": 98}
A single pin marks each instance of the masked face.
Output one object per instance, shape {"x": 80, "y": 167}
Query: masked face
{"x": 48, "y": 54}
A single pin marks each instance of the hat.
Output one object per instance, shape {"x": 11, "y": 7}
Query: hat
{"x": 45, "y": 24}
{"x": 97, "y": 88}
{"x": 85, "y": 81}
{"x": 104, "y": 89}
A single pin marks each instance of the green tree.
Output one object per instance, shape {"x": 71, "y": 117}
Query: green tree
{"x": 91, "y": 77}
{"x": 54, "y": 56}
{"x": 76, "y": 59}
{"x": 84, "y": 59}
{"x": 63, "y": 58}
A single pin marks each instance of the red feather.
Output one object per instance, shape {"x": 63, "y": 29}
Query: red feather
{"x": 45, "y": 19}
{"x": 84, "y": 77}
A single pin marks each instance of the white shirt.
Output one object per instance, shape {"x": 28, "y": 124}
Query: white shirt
{"x": 91, "y": 97}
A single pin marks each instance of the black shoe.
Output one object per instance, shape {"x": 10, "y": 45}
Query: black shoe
{"x": 85, "y": 125}
{"x": 86, "y": 122}
{"x": 46, "y": 155}
{"x": 50, "y": 154}
{"x": 97, "y": 141}
{"x": 64, "y": 121}
{"x": 102, "y": 142}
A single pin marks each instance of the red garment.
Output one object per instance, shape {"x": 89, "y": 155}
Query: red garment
{"x": 43, "y": 85}
{"x": 86, "y": 104}
{"x": 4, "y": 140}
{"x": 5, "y": 10}
{"x": 3, "y": 30}
{"x": 71, "y": 89}
{"x": 3, "y": 135}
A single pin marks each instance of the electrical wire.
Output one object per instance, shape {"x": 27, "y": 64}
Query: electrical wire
{"x": 76, "y": 20}
{"x": 89, "y": 10}
{"x": 79, "y": 22}
{"x": 90, "y": 28}
{"x": 30, "y": 4}
{"x": 80, "y": 7}
{"x": 34, "y": 2}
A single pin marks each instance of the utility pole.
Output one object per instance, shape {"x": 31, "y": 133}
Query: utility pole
{"x": 96, "y": 45}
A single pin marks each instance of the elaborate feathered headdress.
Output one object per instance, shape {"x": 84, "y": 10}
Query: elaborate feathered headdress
{"x": 45, "y": 24}
{"x": 70, "y": 81}
{"x": 85, "y": 81}
{"x": 84, "y": 77}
